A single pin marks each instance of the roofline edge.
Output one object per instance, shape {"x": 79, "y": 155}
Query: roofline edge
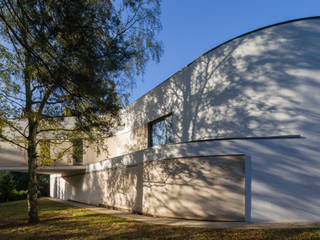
{"x": 221, "y": 44}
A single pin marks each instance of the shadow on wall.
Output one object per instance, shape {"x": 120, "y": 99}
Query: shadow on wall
{"x": 264, "y": 84}
{"x": 286, "y": 179}
{"x": 12, "y": 156}
{"x": 210, "y": 188}
{"x": 257, "y": 85}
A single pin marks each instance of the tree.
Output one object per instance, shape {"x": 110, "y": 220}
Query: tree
{"x": 6, "y": 185}
{"x": 20, "y": 180}
{"x": 69, "y": 61}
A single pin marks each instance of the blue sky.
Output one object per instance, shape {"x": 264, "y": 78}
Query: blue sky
{"x": 192, "y": 27}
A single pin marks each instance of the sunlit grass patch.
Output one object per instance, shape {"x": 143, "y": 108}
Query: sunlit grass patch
{"x": 60, "y": 221}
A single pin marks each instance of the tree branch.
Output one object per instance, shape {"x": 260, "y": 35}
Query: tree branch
{"x": 24, "y": 45}
{"x": 45, "y": 99}
{"x": 12, "y": 142}
{"x": 15, "y": 128}
{"x": 9, "y": 98}
{"x": 57, "y": 130}
{"x": 50, "y": 103}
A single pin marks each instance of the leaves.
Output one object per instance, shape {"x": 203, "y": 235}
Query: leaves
{"x": 73, "y": 59}
{"x": 65, "y": 67}
{"x": 6, "y": 185}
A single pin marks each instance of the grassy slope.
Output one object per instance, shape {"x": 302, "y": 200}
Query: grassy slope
{"x": 60, "y": 221}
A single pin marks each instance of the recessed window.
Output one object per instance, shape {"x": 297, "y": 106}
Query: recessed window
{"x": 45, "y": 156}
{"x": 77, "y": 153}
{"x": 160, "y": 131}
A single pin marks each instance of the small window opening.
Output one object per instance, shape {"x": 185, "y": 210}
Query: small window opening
{"x": 77, "y": 153}
{"x": 160, "y": 131}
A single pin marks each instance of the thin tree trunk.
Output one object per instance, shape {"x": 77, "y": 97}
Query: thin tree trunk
{"x": 32, "y": 187}
{"x": 32, "y": 162}
{"x": 31, "y": 150}
{"x": 32, "y": 158}
{"x": 32, "y": 180}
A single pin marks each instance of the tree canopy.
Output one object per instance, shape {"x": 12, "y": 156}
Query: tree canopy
{"x": 69, "y": 59}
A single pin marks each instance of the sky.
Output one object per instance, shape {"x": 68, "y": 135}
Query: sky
{"x": 192, "y": 27}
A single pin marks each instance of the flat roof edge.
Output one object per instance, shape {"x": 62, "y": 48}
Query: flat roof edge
{"x": 46, "y": 169}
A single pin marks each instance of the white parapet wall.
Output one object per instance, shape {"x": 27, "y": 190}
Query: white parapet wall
{"x": 192, "y": 187}
{"x": 280, "y": 178}
{"x": 12, "y": 156}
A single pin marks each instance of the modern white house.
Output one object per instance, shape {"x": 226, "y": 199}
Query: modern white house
{"x": 233, "y": 136}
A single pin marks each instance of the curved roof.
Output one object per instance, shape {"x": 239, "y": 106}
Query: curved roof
{"x": 230, "y": 40}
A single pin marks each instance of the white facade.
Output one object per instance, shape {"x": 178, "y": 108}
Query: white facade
{"x": 256, "y": 96}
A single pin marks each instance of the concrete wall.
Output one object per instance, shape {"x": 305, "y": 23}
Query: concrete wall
{"x": 12, "y": 156}
{"x": 121, "y": 143}
{"x": 210, "y": 188}
{"x": 281, "y": 180}
{"x": 262, "y": 84}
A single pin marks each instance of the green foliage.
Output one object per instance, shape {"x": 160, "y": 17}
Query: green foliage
{"x": 21, "y": 182}
{"x": 43, "y": 185}
{"x": 18, "y": 195}
{"x": 45, "y": 153}
{"x": 65, "y": 67}
{"x": 6, "y": 186}
{"x": 78, "y": 55}
{"x": 14, "y": 185}
{"x": 71, "y": 61}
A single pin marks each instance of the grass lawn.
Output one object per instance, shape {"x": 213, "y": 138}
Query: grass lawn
{"x": 59, "y": 221}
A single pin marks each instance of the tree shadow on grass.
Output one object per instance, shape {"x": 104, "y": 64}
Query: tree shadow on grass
{"x": 163, "y": 232}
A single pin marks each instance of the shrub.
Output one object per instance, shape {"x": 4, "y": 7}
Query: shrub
{"x": 18, "y": 195}
{"x": 6, "y": 186}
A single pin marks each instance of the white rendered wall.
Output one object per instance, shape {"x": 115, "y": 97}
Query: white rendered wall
{"x": 282, "y": 176}
{"x": 210, "y": 188}
{"x": 263, "y": 84}
{"x": 11, "y": 155}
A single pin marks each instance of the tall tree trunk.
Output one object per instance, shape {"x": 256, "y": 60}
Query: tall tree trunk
{"x": 32, "y": 178}
{"x": 32, "y": 160}
{"x": 32, "y": 154}
{"x": 32, "y": 157}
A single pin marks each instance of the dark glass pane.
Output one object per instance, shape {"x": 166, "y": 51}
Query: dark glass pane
{"x": 158, "y": 133}
{"x": 77, "y": 150}
{"x": 169, "y": 137}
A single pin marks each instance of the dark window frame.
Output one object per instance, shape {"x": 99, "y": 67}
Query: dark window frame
{"x": 152, "y": 123}
{"x": 77, "y": 151}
